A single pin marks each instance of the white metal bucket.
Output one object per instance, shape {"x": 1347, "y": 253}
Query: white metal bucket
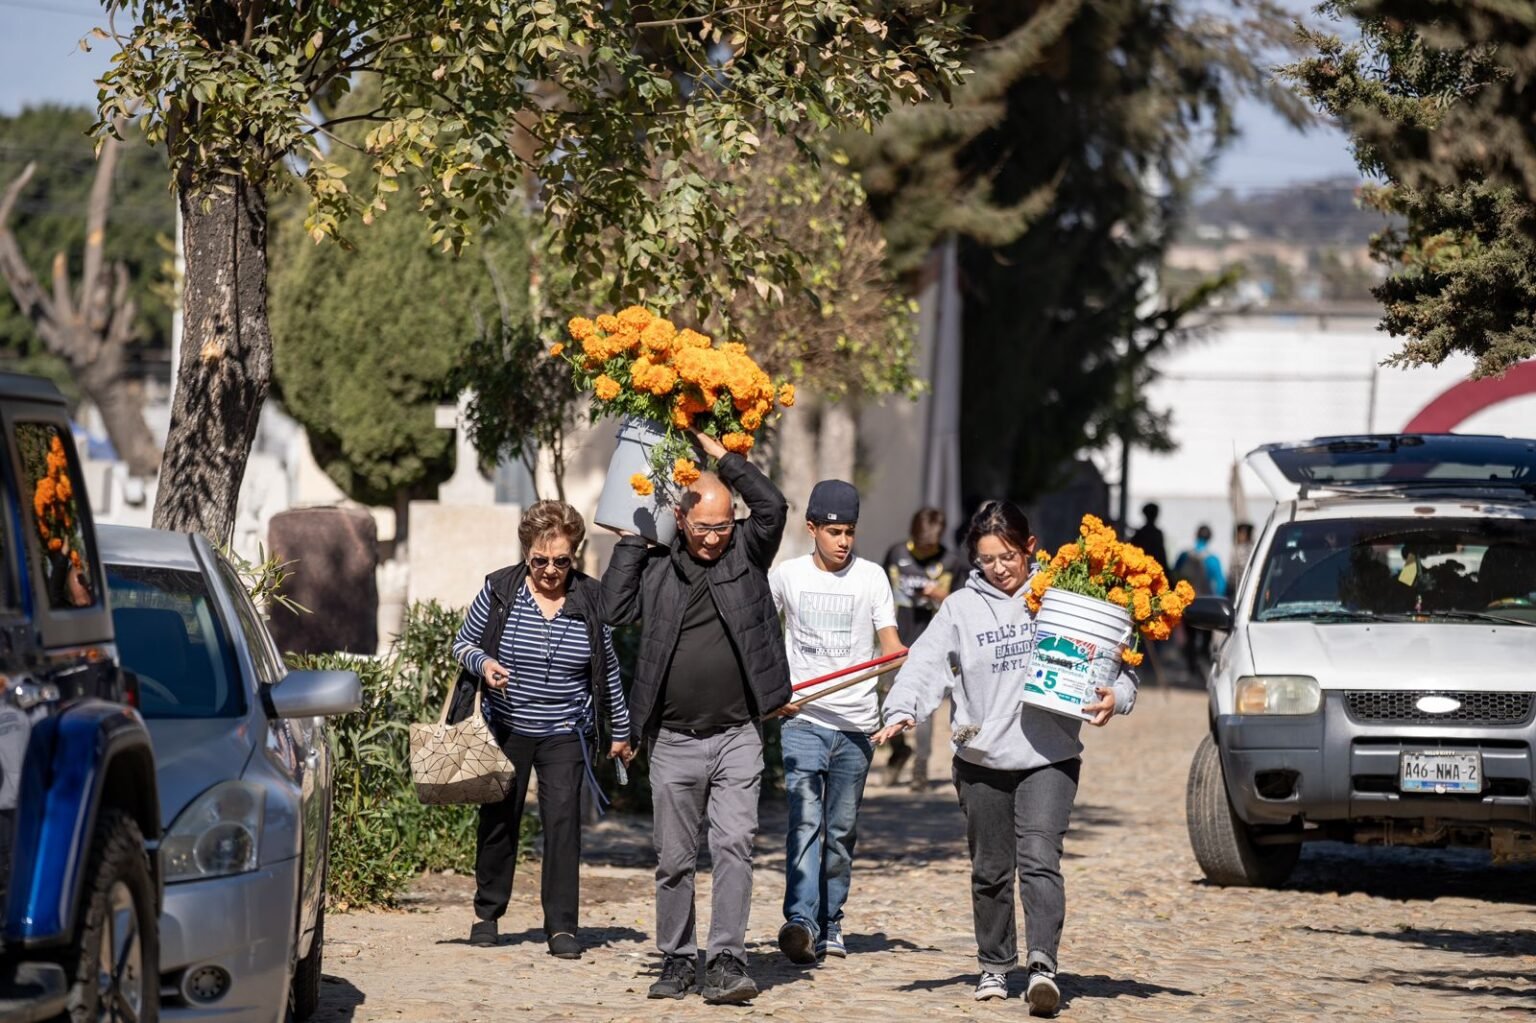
{"x": 619, "y": 506}
{"x": 1078, "y": 641}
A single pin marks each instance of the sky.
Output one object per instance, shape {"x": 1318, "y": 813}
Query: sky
{"x": 40, "y": 62}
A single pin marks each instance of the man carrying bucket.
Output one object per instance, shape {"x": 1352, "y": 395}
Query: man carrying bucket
{"x": 836, "y": 607}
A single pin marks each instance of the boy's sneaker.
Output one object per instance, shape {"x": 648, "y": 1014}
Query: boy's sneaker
{"x": 991, "y": 985}
{"x": 831, "y": 943}
{"x": 726, "y": 981}
{"x": 795, "y": 941}
{"x": 1043, "y": 995}
{"x": 676, "y": 980}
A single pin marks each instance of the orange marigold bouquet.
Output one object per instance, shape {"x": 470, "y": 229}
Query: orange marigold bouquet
{"x": 635, "y": 363}
{"x": 1100, "y": 565}
{"x": 51, "y": 504}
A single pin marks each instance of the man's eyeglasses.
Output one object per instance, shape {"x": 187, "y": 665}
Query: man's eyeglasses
{"x": 988, "y": 560}
{"x": 540, "y": 562}
{"x": 705, "y": 528}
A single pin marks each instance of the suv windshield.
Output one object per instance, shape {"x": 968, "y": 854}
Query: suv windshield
{"x": 1341, "y": 570}
{"x": 169, "y": 635}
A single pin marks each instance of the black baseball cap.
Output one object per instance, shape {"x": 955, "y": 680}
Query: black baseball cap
{"x": 833, "y": 501}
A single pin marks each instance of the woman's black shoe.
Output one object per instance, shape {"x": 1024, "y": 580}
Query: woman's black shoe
{"x": 482, "y": 934}
{"x": 565, "y": 946}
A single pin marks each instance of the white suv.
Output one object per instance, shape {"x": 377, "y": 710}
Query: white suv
{"x": 1377, "y": 679}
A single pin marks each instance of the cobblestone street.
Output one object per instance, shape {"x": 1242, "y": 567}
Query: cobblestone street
{"x": 1357, "y": 934}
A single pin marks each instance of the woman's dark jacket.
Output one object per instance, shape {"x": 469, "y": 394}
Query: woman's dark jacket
{"x": 645, "y": 582}
{"x": 583, "y": 601}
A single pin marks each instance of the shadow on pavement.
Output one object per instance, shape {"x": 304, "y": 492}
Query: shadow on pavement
{"x": 1412, "y": 875}
{"x": 1072, "y": 986}
{"x": 1486, "y": 944}
{"x": 1513, "y": 984}
{"x": 593, "y": 937}
{"x": 339, "y": 1000}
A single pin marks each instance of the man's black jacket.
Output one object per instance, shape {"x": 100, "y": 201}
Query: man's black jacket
{"x": 583, "y": 601}
{"x": 646, "y": 582}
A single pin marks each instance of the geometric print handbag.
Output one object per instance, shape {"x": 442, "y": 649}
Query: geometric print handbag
{"x": 460, "y": 763}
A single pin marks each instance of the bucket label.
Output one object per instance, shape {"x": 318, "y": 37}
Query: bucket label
{"x": 1062, "y": 668}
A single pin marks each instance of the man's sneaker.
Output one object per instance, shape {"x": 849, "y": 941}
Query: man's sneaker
{"x": 795, "y": 941}
{"x": 676, "y": 980}
{"x": 1043, "y": 995}
{"x": 482, "y": 934}
{"x": 831, "y": 943}
{"x": 726, "y": 981}
{"x": 991, "y": 985}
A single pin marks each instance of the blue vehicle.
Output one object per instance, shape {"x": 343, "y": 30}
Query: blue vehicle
{"x": 79, "y": 811}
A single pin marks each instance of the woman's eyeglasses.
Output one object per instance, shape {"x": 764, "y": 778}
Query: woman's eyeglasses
{"x": 540, "y": 562}
{"x": 988, "y": 560}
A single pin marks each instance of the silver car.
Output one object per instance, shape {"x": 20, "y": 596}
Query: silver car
{"x": 245, "y": 780}
{"x": 1375, "y": 681}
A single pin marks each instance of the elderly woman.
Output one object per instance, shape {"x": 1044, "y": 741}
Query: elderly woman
{"x": 1015, "y": 767}
{"x": 535, "y": 637}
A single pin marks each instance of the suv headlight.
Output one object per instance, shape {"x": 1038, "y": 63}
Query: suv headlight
{"x": 218, "y": 834}
{"x": 1278, "y": 694}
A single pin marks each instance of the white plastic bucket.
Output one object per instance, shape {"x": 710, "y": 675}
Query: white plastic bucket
{"x": 1077, "y": 648}
{"x": 619, "y": 506}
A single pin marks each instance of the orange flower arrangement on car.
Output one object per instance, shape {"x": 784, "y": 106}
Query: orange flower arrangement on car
{"x": 635, "y": 363}
{"x": 1100, "y": 565}
{"x": 51, "y": 501}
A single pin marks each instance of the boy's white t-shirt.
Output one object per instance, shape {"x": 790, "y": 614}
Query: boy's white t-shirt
{"x": 830, "y": 621}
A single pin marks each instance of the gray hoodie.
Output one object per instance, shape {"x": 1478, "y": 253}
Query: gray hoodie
{"x": 977, "y": 646}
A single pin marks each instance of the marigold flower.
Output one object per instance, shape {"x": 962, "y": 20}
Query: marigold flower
{"x": 740, "y": 443}
{"x": 751, "y": 419}
{"x": 581, "y": 328}
{"x": 684, "y": 472}
{"x": 1118, "y": 596}
{"x": 55, "y": 544}
{"x": 658, "y": 335}
{"x": 787, "y": 395}
{"x": 640, "y": 483}
{"x": 1131, "y": 657}
{"x": 1141, "y": 605}
{"x": 1185, "y": 592}
{"x": 557, "y": 348}
{"x": 606, "y": 388}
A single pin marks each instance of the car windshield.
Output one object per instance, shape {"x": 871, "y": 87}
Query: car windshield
{"x": 169, "y": 635}
{"x": 1350, "y": 570}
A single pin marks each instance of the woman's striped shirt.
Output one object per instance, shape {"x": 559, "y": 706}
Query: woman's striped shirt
{"x": 550, "y": 660}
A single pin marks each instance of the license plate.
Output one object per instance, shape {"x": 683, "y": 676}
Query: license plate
{"x": 1440, "y": 772}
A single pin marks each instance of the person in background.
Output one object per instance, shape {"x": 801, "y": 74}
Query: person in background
{"x": 1201, "y": 568}
{"x": 1242, "y": 552}
{"x": 922, "y": 573}
{"x": 711, "y": 667}
{"x": 535, "y": 637}
{"x": 837, "y": 607}
{"x": 1016, "y": 767}
{"x": 1150, "y": 536}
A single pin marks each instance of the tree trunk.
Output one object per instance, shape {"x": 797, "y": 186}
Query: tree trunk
{"x": 226, "y": 359}
{"x": 797, "y": 468}
{"x": 120, "y": 400}
{"x": 838, "y": 443}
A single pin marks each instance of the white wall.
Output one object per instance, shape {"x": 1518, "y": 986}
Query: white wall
{"x": 1260, "y": 379}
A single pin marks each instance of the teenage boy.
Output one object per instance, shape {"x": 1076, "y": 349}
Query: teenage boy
{"x": 836, "y": 607}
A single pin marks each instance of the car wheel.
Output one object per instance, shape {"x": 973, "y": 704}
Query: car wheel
{"x": 1222, "y": 843}
{"x": 304, "y": 991}
{"x": 115, "y": 968}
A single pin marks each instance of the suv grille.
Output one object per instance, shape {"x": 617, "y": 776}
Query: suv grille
{"x": 1475, "y": 709}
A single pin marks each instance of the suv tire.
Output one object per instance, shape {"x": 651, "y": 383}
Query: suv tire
{"x": 1222, "y": 843}
{"x": 115, "y": 969}
{"x": 305, "y": 986}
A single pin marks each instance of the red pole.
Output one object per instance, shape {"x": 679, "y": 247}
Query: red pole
{"x": 888, "y": 658}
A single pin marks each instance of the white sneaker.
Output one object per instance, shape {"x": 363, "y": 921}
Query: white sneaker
{"x": 991, "y": 985}
{"x": 1043, "y": 995}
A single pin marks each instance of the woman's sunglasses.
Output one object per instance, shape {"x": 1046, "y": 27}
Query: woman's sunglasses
{"x": 540, "y": 562}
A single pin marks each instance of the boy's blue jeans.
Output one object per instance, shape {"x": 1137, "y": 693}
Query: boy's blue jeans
{"x": 824, "y": 773}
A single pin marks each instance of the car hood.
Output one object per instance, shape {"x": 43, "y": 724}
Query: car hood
{"x": 1401, "y": 656}
{"x": 194, "y": 754}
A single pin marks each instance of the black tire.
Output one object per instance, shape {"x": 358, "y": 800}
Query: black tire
{"x": 304, "y": 989}
{"x": 1222, "y": 843}
{"x": 114, "y": 970}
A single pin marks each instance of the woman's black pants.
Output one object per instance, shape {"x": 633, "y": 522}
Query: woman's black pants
{"x": 557, "y": 759}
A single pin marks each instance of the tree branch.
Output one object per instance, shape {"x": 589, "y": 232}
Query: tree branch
{"x": 96, "y": 220}
{"x": 719, "y": 13}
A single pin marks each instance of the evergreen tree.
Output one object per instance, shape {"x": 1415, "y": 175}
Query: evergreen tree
{"x": 1419, "y": 90}
{"x": 1064, "y": 166}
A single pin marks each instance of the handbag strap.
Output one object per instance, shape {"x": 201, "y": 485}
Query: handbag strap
{"x": 442, "y": 719}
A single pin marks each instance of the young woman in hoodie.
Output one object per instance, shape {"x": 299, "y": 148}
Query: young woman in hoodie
{"x": 1015, "y": 767}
